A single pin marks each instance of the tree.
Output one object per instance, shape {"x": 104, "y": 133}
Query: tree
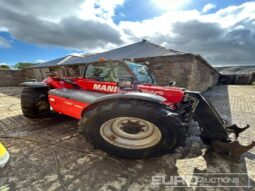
{"x": 23, "y": 65}
{"x": 4, "y": 67}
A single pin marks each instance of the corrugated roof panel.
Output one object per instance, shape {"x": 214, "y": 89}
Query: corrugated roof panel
{"x": 55, "y": 62}
{"x": 138, "y": 50}
{"x": 49, "y": 63}
{"x": 232, "y": 70}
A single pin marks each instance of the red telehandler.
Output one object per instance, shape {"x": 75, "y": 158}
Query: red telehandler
{"x": 125, "y": 113}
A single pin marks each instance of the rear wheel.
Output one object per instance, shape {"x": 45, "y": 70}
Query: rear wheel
{"x": 132, "y": 128}
{"x": 34, "y": 102}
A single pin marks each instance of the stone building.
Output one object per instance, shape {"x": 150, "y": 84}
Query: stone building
{"x": 188, "y": 70}
{"x": 243, "y": 75}
{"x": 42, "y": 70}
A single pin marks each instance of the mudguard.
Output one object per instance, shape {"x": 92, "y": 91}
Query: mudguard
{"x": 34, "y": 84}
{"x": 127, "y": 95}
{"x": 132, "y": 95}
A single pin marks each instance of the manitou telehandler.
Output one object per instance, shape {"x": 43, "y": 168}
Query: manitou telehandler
{"x": 125, "y": 113}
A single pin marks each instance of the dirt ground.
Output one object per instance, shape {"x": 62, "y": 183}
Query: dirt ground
{"x": 55, "y": 157}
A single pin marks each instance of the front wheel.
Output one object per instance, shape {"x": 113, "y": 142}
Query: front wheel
{"x": 34, "y": 102}
{"x": 131, "y": 128}
{"x": 130, "y": 133}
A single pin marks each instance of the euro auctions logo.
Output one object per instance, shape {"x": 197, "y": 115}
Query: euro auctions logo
{"x": 213, "y": 180}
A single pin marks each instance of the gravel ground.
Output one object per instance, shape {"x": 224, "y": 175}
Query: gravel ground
{"x": 74, "y": 165}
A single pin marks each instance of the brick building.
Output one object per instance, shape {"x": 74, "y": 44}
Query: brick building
{"x": 188, "y": 70}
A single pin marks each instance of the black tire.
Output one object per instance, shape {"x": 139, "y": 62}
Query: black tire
{"x": 173, "y": 133}
{"x": 34, "y": 102}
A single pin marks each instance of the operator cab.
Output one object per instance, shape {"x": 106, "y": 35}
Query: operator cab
{"x": 115, "y": 71}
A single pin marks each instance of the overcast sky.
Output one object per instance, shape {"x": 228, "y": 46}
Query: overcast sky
{"x": 222, "y": 31}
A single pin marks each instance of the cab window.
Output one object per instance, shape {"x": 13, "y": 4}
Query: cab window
{"x": 106, "y": 71}
{"x": 141, "y": 72}
{"x": 120, "y": 71}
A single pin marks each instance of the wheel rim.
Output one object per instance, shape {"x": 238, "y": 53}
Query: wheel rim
{"x": 130, "y": 132}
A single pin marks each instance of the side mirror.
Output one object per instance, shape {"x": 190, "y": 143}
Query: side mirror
{"x": 172, "y": 83}
{"x": 51, "y": 74}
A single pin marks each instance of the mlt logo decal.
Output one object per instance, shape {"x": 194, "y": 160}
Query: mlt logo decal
{"x": 107, "y": 88}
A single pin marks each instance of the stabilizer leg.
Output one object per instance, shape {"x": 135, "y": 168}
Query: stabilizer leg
{"x": 237, "y": 130}
{"x": 235, "y": 149}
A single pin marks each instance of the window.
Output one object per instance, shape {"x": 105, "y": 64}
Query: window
{"x": 120, "y": 71}
{"x": 106, "y": 71}
{"x": 141, "y": 72}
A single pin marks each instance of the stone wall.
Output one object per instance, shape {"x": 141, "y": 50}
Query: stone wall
{"x": 170, "y": 68}
{"x": 203, "y": 75}
{"x": 72, "y": 71}
{"x": 189, "y": 71}
{"x": 15, "y": 77}
{"x": 242, "y": 79}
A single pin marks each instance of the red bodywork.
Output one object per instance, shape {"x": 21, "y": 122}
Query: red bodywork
{"x": 74, "y": 108}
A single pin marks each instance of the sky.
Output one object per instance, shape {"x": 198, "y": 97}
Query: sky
{"x": 222, "y": 31}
